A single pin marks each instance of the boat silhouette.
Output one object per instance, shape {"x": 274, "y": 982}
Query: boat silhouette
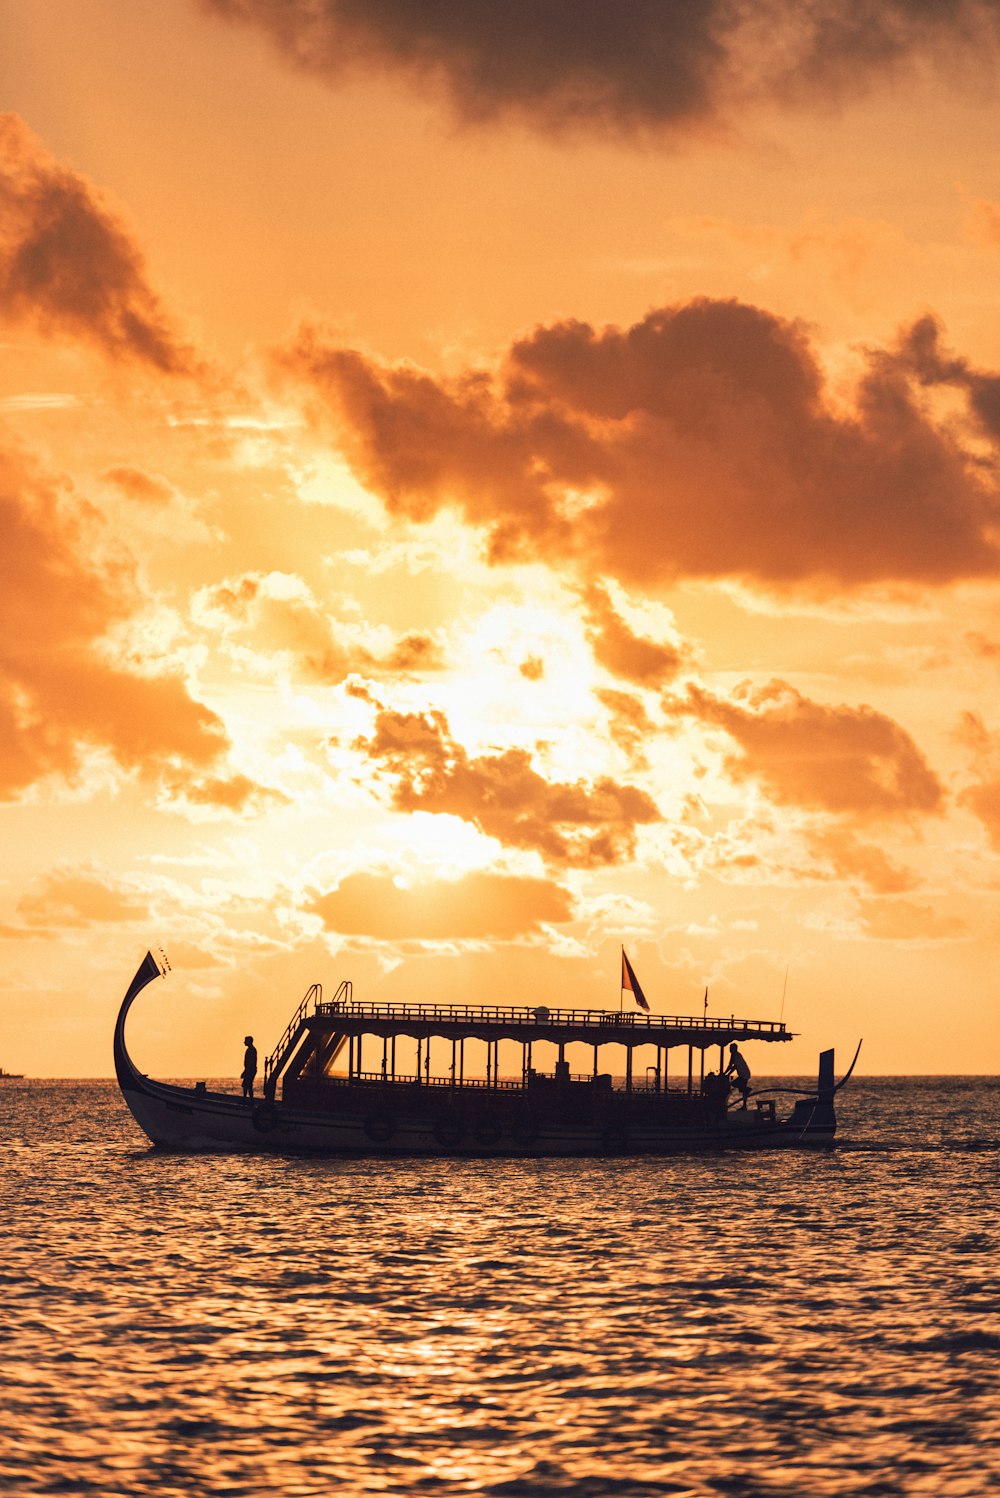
{"x": 332, "y": 1085}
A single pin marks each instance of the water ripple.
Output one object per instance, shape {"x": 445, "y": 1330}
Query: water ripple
{"x": 821, "y": 1325}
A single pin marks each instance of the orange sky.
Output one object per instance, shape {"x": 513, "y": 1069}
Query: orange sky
{"x": 480, "y": 485}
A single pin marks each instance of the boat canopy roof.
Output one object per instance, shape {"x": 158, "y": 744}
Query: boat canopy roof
{"x": 539, "y": 1022}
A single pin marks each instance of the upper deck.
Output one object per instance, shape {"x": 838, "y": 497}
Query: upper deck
{"x": 528, "y": 1023}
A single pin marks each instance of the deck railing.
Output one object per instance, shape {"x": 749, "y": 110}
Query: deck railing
{"x": 531, "y": 1016}
{"x": 482, "y": 1084}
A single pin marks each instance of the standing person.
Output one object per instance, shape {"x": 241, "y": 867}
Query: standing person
{"x": 740, "y": 1071}
{"x": 249, "y": 1066}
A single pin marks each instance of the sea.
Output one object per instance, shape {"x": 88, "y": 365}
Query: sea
{"x": 787, "y": 1325}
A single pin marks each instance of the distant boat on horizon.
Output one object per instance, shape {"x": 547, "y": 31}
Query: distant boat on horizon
{"x": 11, "y": 1076}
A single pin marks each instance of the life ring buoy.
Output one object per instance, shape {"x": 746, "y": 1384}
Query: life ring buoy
{"x": 449, "y": 1132}
{"x": 486, "y": 1131}
{"x": 614, "y": 1140}
{"x": 380, "y": 1127}
{"x": 524, "y": 1133}
{"x": 264, "y": 1117}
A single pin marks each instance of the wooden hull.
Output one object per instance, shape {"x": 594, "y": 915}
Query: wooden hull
{"x": 414, "y": 1122}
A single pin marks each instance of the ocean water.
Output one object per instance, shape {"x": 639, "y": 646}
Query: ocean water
{"x": 795, "y": 1324}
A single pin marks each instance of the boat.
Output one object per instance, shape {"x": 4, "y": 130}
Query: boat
{"x": 332, "y": 1085}
{"x": 11, "y": 1076}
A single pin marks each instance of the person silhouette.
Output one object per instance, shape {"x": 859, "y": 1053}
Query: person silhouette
{"x": 249, "y": 1066}
{"x": 740, "y": 1071}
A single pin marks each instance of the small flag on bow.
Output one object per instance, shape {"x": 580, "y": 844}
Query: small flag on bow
{"x": 631, "y": 983}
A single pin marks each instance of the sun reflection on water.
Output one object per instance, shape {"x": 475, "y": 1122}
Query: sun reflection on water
{"x": 807, "y": 1324}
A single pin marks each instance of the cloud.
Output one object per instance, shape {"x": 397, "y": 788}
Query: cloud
{"x": 277, "y": 613}
{"x": 140, "y": 486}
{"x": 629, "y": 725}
{"x": 227, "y": 793}
{"x": 576, "y": 823}
{"x": 906, "y": 920}
{"x": 982, "y": 796}
{"x": 478, "y": 906}
{"x": 922, "y": 352}
{"x": 78, "y": 898}
{"x": 423, "y": 444}
{"x": 700, "y": 442}
{"x": 847, "y": 760}
{"x": 59, "y": 688}
{"x": 597, "y": 65}
{"x": 647, "y": 663}
{"x": 851, "y": 858}
{"x": 69, "y": 265}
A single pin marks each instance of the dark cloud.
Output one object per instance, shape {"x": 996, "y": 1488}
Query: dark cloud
{"x": 616, "y": 647}
{"x": 636, "y": 68}
{"x": 421, "y": 443}
{"x": 576, "y": 823}
{"x": 700, "y": 442}
{"x": 922, "y": 352}
{"x": 68, "y": 264}
{"x": 59, "y": 690}
{"x": 847, "y": 760}
{"x": 479, "y": 906}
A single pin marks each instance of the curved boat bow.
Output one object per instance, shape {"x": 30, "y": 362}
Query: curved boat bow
{"x": 172, "y": 1116}
{"x": 129, "y": 1078}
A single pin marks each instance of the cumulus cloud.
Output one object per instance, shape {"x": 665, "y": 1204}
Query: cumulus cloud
{"x": 421, "y": 443}
{"x": 700, "y": 442}
{"x": 59, "y": 688}
{"x": 847, "y": 760}
{"x": 478, "y": 906}
{"x": 629, "y": 69}
{"x": 583, "y": 823}
{"x": 70, "y": 266}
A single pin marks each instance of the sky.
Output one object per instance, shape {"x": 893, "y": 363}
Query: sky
{"x": 485, "y": 485}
